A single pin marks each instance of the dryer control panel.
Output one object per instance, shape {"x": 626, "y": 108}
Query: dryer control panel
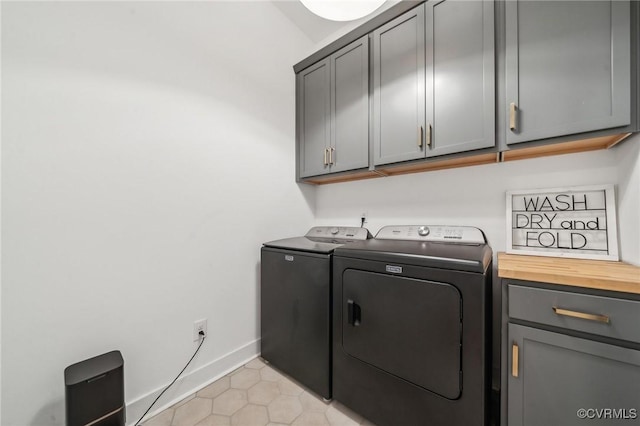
{"x": 434, "y": 233}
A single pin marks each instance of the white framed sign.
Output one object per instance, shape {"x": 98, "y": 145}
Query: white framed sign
{"x": 578, "y": 222}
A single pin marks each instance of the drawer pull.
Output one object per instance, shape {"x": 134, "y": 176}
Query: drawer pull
{"x": 420, "y": 137}
{"x": 513, "y": 117}
{"x": 514, "y": 360}
{"x": 582, "y": 315}
{"x": 326, "y": 151}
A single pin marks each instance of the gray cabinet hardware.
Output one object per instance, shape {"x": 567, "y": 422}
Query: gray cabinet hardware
{"x": 513, "y": 117}
{"x": 581, "y": 315}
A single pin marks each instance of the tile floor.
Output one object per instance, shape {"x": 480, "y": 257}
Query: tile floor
{"x": 256, "y": 395}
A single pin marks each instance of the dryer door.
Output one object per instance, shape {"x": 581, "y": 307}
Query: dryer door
{"x": 408, "y": 327}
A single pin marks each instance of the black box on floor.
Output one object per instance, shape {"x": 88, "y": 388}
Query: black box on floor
{"x": 94, "y": 391}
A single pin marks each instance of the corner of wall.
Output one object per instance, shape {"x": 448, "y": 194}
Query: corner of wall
{"x": 628, "y": 199}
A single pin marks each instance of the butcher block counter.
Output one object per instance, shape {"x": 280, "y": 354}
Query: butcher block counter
{"x": 595, "y": 274}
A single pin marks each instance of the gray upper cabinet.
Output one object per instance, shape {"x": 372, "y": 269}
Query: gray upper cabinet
{"x": 460, "y": 76}
{"x": 567, "y": 67}
{"x": 434, "y": 81}
{"x": 313, "y": 115}
{"x": 398, "y": 88}
{"x": 333, "y": 112}
{"x": 350, "y": 107}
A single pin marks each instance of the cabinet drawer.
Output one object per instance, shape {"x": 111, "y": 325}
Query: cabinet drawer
{"x": 604, "y": 316}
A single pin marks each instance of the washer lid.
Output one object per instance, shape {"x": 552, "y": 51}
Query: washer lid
{"x": 322, "y": 239}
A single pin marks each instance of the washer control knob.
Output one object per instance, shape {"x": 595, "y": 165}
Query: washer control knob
{"x": 334, "y": 231}
{"x": 423, "y": 231}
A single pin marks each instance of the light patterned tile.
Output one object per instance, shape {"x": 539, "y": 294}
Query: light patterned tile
{"x": 236, "y": 371}
{"x": 284, "y": 409}
{"x": 255, "y": 395}
{"x": 229, "y": 402}
{"x": 270, "y": 375}
{"x": 215, "y": 420}
{"x": 263, "y": 393}
{"x": 215, "y": 388}
{"x": 339, "y": 415}
{"x": 310, "y": 418}
{"x": 288, "y": 387}
{"x": 184, "y": 401}
{"x": 310, "y": 402}
{"x": 245, "y": 379}
{"x": 162, "y": 419}
{"x": 192, "y": 412}
{"x": 255, "y": 363}
{"x": 251, "y": 415}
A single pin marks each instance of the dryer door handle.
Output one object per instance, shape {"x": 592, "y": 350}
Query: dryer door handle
{"x": 354, "y": 313}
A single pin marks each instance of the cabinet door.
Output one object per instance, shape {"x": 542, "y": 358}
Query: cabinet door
{"x": 350, "y": 106}
{"x": 398, "y": 89}
{"x": 558, "y": 375}
{"x": 460, "y": 76}
{"x": 567, "y": 67}
{"x": 314, "y": 125}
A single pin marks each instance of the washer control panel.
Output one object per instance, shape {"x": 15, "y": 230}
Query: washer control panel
{"x": 436, "y": 233}
{"x": 350, "y": 233}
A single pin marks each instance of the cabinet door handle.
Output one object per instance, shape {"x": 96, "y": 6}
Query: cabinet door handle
{"x": 429, "y": 131}
{"x": 581, "y": 315}
{"x": 330, "y": 156}
{"x": 420, "y": 136}
{"x": 514, "y": 360}
{"x": 513, "y": 117}
{"x": 326, "y": 151}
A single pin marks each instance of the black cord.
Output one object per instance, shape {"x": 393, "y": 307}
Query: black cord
{"x": 174, "y": 380}
{"x": 362, "y": 219}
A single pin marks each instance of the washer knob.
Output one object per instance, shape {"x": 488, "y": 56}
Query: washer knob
{"x": 423, "y": 231}
{"x": 334, "y": 231}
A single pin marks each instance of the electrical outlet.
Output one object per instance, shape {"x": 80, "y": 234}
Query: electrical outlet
{"x": 198, "y": 326}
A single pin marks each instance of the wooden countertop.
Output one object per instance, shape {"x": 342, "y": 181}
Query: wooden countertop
{"x": 598, "y": 274}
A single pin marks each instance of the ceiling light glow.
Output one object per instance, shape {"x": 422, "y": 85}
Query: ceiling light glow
{"x": 342, "y": 10}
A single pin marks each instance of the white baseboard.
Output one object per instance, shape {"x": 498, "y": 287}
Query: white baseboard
{"x": 191, "y": 382}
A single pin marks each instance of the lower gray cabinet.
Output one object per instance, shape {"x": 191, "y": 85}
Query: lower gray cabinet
{"x": 556, "y": 379}
{"x": 572, "y": 358}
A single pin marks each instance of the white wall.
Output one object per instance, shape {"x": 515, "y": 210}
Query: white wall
{"x": 147, "y": 152}
{"x": 628, "y": 198}
{"x": 475, "y": 196}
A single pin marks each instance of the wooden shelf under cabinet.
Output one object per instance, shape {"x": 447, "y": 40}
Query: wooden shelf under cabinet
{"x": 571, "y": 147}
